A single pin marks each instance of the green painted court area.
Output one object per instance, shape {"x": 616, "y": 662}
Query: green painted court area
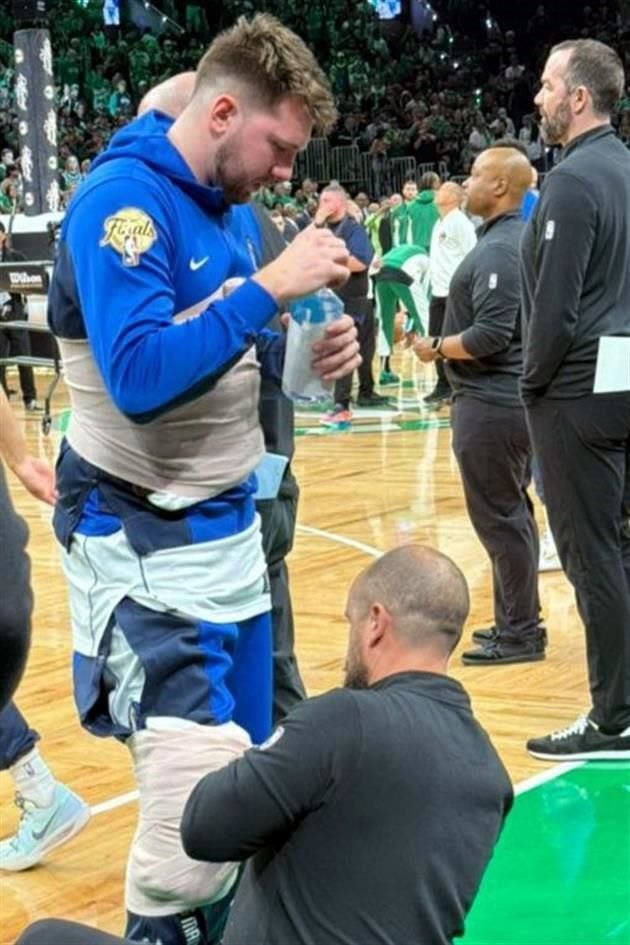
{"x": 561, "y": 872}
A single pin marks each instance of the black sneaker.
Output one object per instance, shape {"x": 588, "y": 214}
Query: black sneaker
{"x": 489, "y": 634}
{"x": 581, "y": 741}
{"x": 486, "y": 635}
{"x": 442, "y": 400}
{"x": 438, "y": 393}
{"x": 373, "y": 400}
{"x": 496, "y": 653}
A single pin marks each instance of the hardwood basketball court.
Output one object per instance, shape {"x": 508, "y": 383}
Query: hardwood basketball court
{"x": 392, "y": 479}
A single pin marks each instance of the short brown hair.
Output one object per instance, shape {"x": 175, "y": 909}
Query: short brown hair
{"x": 598, "y": 68}
{"x": 273, "y": 62}
{"x": 429, "y": 181}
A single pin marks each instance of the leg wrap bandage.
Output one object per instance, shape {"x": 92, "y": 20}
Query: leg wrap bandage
{"x": 169, "y": 758}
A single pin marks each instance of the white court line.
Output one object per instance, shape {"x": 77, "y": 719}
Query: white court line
{"x": 114, "y": 802}
{"x": 341, "y": 540}
{"x": 527, "y": 785}
{"x": 537, "y": 779}
{"x": 521, "y": 788}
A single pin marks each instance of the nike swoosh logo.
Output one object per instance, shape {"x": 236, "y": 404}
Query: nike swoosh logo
{"x": 196, "y": 264}
{"x": 38, "y": 834}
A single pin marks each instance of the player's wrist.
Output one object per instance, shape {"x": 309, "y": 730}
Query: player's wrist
{"x": 436, "y": 346}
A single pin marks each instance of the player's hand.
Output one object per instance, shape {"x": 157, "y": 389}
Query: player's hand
{"x": 423, "y": 350}
{"x": 38, "y": 478}
{"x": 337, "y": 353}
{"x": 313, "y": 260}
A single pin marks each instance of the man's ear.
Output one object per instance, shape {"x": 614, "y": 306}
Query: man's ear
{"x": 379, "y": 624}
{"x": 501, "y": 186}
{"x": 581, "y": 100}
{"x": 223, "y": 111}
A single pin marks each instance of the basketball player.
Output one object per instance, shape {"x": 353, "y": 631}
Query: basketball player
{"x": 156, "y": 477}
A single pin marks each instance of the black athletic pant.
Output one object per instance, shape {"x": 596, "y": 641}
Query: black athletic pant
{"x": 16, "y": 599}
{"x": 583, "y": 449}
{"x": 493, "y": 450}
{"x": 362, "y": 311}
{"x": 278, "y": 529}
{"x": 437, "y": 311}
{"x": 16, "y": 343}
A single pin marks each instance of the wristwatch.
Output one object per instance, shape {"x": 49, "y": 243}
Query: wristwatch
{"x": 436, "y": 345}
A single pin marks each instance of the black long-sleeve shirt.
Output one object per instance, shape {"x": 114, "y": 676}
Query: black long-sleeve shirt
{"x": 370, "y": 817}
{"x": 484, "y": 307}
{"x": 575, "y": 266}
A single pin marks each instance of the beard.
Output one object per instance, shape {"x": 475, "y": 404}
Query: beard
{"x": 230, "y": 175}
{"x": 554, "y": 128}
{"x": 356, "y": 676}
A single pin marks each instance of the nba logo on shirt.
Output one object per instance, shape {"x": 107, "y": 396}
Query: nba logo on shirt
{"x": 550, "y": 229}
{"x": 493, "y": 281}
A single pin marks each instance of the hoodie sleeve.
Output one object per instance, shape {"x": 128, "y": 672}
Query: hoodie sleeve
{"x": 119, "y": 250}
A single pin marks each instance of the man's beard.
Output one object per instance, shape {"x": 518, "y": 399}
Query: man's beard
{"x": 554, "y": 130}
{"x": 230, "y": 175}
{"x": 356, "y": 671}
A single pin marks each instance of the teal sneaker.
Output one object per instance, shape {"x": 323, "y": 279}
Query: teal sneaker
{"x": 388, "y": 378}
{"x": 42, "y": 829}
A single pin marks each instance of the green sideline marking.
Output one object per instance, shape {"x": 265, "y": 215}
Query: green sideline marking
{"x": 386, "y": 426}
{"x": 61, "y": 422}
{"x": 561, "y": 872}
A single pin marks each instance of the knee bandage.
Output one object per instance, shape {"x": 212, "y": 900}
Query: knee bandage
{"x": 169, "y": 758}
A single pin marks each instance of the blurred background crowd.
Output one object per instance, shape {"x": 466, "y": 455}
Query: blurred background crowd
{"x": 419, "y": 86}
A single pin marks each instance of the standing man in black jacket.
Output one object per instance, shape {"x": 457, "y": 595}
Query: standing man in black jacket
{"x": 482, "y": 345}
{"x": 15, "y": 342}
{"x": 576, "y": 291}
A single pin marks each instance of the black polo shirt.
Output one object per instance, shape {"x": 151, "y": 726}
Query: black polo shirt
{"x": 484, "y": 307}
{"x": 369, "y": 815}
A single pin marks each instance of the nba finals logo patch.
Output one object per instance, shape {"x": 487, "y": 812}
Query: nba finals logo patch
{"x": 131, "y": 233}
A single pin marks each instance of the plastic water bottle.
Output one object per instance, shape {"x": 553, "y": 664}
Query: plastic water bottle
{"x": 307, "y": 324}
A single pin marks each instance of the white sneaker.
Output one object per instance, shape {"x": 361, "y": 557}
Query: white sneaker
{"x": 548, "y": 560}
{"x": 42, "y": 829}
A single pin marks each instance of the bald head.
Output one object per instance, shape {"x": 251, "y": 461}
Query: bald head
{"x": 424, "y": 593}
{"x": 170, "y": 97}
{"x": 498, "y": 181}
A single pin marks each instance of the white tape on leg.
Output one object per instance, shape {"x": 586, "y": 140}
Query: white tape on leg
{"x": 169, "y": 759}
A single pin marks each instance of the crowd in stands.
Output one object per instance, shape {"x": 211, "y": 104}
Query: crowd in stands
{"x": 439, "y": 97}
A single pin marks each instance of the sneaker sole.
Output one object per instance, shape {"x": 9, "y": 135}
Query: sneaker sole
{"x": 505, "y": 660}
{"x": 620, "y": 755}
{"x": 63, "y": 833}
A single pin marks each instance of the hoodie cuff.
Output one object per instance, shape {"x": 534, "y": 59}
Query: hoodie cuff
{"x": 255, "y": 305}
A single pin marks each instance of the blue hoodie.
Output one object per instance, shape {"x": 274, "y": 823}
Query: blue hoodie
{"x": 143, "y": 242}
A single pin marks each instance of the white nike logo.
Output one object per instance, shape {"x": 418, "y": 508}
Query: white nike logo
{"x": 196, "y": 264}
